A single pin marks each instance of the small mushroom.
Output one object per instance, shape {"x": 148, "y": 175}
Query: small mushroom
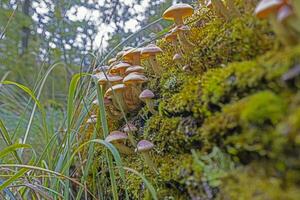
{"x": 136, "y": 69}
{"x": 120, "y": 68}
{"x": 118, "y": 139}
{"x": 149, "y": 52}
{"x": 135, "y": 81}
{"x": 288, "y": 18}
{"x": 111, "y": 61}
{"x": 181, "y": 33}
{"x": 133, "y": 56}
{"x": 269, "y": 9}
{"x": 178, "y": 12}
{"x": 130, "y": 129}
{"x": 144, "y": 147}
{"x": 105, "y": 79}
{"x": 118, "y": 98}
{"x": 147, "y": 97}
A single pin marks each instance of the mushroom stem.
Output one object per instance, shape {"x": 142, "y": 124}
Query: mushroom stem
{"x": 232, "y": 8}
{"x": 118, "y": 100}
{"x": 220, "y": 9}
{"x": 280, "y": 31}
{"x": 185, "y": 43}
{"x": 178, "y": 21}
{"x": 150, "y": 106}
{"x": 149, "y": 161}
{"x": 155, "y": 66}
{"x": 123, "y": 149}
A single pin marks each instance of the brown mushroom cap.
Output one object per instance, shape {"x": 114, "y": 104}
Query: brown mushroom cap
{"x": 146, "y": 94}
{"x": 149, "y": 50}
{"x": 110, "y": 78}
{"x": 122, "y": 66}
{"x": 144, "y": 146}
{"x": 134, "y": 78}
{"x": 182, "y": 10}
{"x": 116, "y": 88}
{"x": 135, "y": 68}
{"x": 116, "y": 136}
{"x": 129, "y": 127}
{"x": 112, "y": 60}
{"x": 129, "y": 54}
{"x": 267, "y": 7}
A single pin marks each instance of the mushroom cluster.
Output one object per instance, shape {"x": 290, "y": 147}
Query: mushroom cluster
{"x": 122, "y": 80}
{"x": 284, "y": 17}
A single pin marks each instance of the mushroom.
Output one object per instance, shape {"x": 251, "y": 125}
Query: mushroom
{"x": 269, "y": 9}
{"x": 130, "y": 129}
{"x": 178, "y": 12}
{"x": 119, "y": 68}
{"x": 172, "y": 37}
{"x": 143, "y": 147}
{"x": 118, "y": 139}
{"x": 118, "y": 98}
{"x": 136, "y": 69}
{"x": 135, "y": 81}
{"x": 104, "y": 80}
{"x": 287, "y": 17}
{"x": 111, "y": 61}
{"x": 133, "y": 56}
{"x": 110, "y": 109}
{"x": 185, "y": 43}
{"x": 149, "y": 52}
{"x": 147, "y": 97}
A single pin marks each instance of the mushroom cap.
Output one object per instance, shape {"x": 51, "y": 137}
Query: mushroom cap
{"x": 99, "y": 75}
{"x": 120, "y": 54}
{"x": 128, "y": 55}
{"x": 266, "y": 7}
{"x": 177, "y": 57}
{"x": 284, "y": 13}
{"x": 119, "y": 67}
{"x": 182, "y": 10}
{"x": 112, "y": 60}
{"x": 92, "y": 119}
{"x": 135, "y": 68}
{"x": 129, "y": 127}
{"x": 146, "y": 94}
{"x": 134, "y": 78}
{"x": 110, "y": 78}
{"x": 149, "y": 50}
{"x": 116, "y": 136}
{"x": 116, "y": 88}
{"x": 144, "y": 145}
